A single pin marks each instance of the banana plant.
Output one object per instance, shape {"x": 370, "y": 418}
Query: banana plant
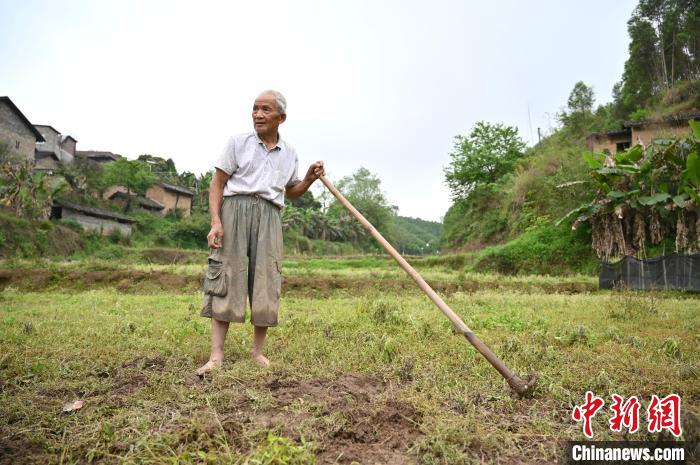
{"x": 29, "y": 194}
{"x": 644, "y": 194}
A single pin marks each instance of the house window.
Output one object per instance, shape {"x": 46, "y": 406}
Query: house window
{"x": 17, "y": 144}
{"x": 622, "y": 146}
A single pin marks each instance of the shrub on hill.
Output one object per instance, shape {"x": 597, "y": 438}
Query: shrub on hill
{"x": 541, "y": 249}
{"x": 29, "y": 239}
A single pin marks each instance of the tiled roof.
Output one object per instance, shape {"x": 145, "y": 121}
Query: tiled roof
{"x": 94, "y": 211}
{"x": 180, "y": 189}
{"x": 30, "y": 126}
{"x": 96, "y": 154}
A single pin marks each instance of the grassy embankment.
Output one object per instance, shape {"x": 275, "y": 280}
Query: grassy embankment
{"x": 365, "y": 373}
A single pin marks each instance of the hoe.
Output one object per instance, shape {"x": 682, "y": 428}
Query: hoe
{"x": 517, "y": 384}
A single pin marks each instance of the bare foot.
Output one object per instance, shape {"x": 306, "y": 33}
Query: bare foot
{"x": 260, "y": 359}
{"x": 210, "y": 366}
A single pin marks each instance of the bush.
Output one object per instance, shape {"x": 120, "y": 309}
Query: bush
{"x": 478, "y": 219}
{"x": 191, "y": 232}
{"x": 29, "y": 239}
{"x": 542, "y": 249}
{"x": 151, "y": 229}
{"x": 107, "y": 251}
{"x": 639, "y": 115}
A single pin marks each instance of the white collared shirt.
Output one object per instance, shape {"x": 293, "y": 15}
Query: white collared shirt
{"x": 254, "y": 170}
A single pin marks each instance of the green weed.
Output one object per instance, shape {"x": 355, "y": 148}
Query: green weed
{"x": 278, "y": 450}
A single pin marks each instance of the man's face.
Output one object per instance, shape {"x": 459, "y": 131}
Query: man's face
{"x": 266, "y": 118}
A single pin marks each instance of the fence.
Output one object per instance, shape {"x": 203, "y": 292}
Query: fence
{"x": 671, "y": 271}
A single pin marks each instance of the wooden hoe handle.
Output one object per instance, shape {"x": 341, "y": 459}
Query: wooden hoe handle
{"x": 519, "y": 385}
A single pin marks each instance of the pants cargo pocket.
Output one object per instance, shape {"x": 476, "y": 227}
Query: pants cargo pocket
{"x": 206, "y": 306}
{"x": 216, "y": 280}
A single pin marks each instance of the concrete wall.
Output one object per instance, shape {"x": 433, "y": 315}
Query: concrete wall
{"x": 647, "y": 134}
{"x": 170, "y": 199}
{"x": 15, "y": 133}
{"x": 101, "y": 225}
{"x": 53, "y": 141}
{"x": 601, "y": 143}
{"x": 110, "y": 191}
{"x": 46, "y": 164}
{"x": 69, "y": 146}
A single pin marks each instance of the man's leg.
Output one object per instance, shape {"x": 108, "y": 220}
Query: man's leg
{"x": 218, "y": 337}
{"x": 259, "y": 334}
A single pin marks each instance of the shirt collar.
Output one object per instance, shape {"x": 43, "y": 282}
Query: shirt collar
{"x": 277, "y": 146}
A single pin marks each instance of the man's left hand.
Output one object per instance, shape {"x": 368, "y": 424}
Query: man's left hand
{"x": 315, "y": 171}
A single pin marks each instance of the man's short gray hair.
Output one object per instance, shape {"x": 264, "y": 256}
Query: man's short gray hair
{"x": 280, "y": 101}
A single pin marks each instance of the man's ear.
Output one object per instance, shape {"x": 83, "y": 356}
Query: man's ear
{"x": 284, "y": 117}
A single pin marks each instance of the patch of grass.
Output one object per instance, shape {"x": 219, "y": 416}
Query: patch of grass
{"x": 278, "y": 450}
{"x": 542, "y": 249}
{"x": 30, "y": 239}
{"x": 131, "y": 358}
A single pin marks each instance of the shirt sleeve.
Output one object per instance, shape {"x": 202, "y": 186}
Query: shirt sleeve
{"x": 294, "y": 179}
{"x": 227, "y": 160}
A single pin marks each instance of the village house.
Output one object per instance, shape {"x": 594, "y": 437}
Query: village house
{"x": 120, "y": 196}
{"x": 161, "y": 197}
{"x": 47, "y": 149}
{"x": 172, "y": 197}
{"x": 103, "y": 221}
{"x": 641, "y": 132}
{"x": 54, "y": 150}
{"x": 16, "y": 131}
{"x": 97, "y": 156}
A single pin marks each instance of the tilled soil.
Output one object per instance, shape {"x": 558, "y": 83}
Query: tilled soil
{"x": 348, "y": 419}
{"x": 367, "y": 430}
{"x": 143, "y": 282}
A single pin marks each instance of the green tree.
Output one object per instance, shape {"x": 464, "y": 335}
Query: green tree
{"x": 187, "y": 179}
{"x": 578, "y": 116}
{"x": 363, "y": 190}
{"x": 201, "y": 188}
{"x": 664, "y": 49}
{"x": 82, "y": 175}
{"x": 581, "y": 98}
{"x": 306, "y": 200}
{"x": 484, "y": 157}
{"x": 135, "y": 175}
{"x": 163, "y": 169}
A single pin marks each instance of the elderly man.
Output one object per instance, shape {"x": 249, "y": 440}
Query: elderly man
{"x": 253, "y": 174}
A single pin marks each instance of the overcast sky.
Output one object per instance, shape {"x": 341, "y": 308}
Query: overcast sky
{"x": 381, "y": 84}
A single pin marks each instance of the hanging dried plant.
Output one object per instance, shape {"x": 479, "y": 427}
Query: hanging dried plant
{"x": 639, "y": 235}
{"x": 628, "y": 227}
{"x": 691, "y": 220}
{"x": 619, "y": 246}
{"x": 644, "y": 187}
{"x": 681, "y": 231}
{"x": 601, "y": 239}
{"x": 655, "y": 229}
